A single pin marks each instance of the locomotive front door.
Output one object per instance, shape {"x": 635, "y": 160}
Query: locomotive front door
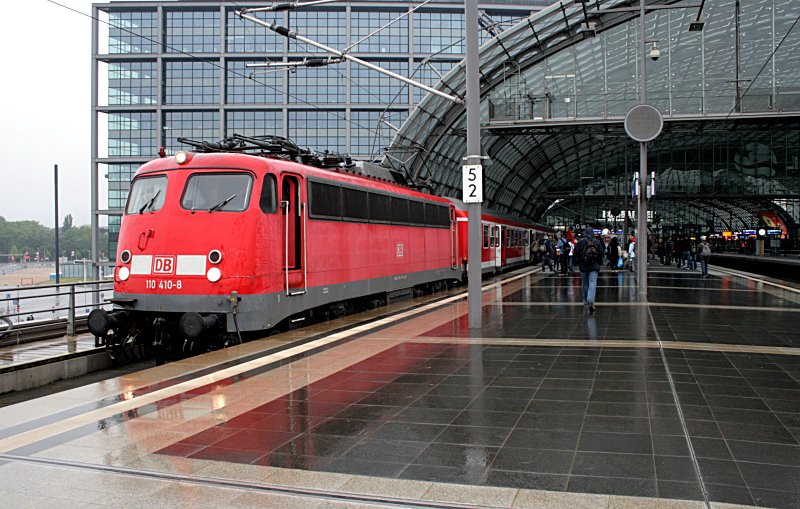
{"x": 294, "y": 233}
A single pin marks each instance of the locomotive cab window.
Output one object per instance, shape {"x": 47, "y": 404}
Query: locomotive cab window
{"x": 147, "y": 194}
{"x": 269, "y": 195}
{"x": 229, "y": 192}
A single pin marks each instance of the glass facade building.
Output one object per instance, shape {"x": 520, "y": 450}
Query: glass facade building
{"x": 165, "y": 70}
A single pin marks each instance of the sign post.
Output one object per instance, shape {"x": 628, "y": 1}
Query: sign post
{"x": 473, "y": 176}
{"x": 643, "y": 123}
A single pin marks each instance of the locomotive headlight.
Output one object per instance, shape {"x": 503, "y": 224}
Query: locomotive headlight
{"x": 215, "y": 256}
{"x": 125, "y": 256}
{"x": 124, "y": 273}
{"x": 180, "y": 157}
{"x": 214, "y": 274}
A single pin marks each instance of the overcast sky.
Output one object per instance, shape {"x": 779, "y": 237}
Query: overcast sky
{"x": 46, "y": 115}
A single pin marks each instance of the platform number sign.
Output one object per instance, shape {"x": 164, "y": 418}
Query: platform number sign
{"x": 472, "y": 180}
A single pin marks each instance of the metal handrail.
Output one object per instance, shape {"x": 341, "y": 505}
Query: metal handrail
{"x": 50, "y": 304}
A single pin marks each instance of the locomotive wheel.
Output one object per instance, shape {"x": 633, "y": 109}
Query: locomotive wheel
{"x": 115, "y": 351}
{"x": 194, "y": 347}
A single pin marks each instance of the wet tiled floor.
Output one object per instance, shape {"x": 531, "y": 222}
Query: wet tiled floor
{"x": 598, "y": 420}
{"x": 694, "y": 397}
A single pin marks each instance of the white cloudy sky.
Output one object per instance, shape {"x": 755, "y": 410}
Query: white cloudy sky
{"x": 46, "y": 110}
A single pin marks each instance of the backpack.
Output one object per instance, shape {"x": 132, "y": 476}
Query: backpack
{"x": 566, "y": 247}
{"x": 591, "y": 254}
{"x": 705, "y": 249}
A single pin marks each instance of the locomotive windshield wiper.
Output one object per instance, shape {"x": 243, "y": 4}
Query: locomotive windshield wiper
{"x": 149, "y": 203}
{"x": 221, "y": 204}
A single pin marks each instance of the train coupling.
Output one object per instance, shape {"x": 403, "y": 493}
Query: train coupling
{"x": 100, "y": 322}
{"x": 193, "y": 325}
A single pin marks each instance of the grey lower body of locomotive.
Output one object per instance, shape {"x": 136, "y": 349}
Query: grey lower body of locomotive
{"x": 263, "y": 311}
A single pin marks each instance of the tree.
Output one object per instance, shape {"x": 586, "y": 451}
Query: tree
{"x": 16, "y": 237}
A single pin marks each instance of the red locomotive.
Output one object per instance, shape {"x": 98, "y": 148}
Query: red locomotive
{"x": 251, "y": 232}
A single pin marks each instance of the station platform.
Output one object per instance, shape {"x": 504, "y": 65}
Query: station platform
{"x": 691, "y": 399}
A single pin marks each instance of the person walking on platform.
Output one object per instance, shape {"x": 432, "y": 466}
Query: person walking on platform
{"x": 570, "y": 263}
{"x": 557, "y": 252}
{"x": 632, "y": 253}
{"x": 547, "y": 254}
{"x": 692, "y": 254}
{"x": 686, "y": 248}
{"x": 704, "y": 250}
{"x": 614, "y": 254}
{"x": 563, "y": 248}
{"x": 589, "y": 253}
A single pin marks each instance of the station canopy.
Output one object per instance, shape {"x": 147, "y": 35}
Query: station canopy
{"x": 555, "y": 89}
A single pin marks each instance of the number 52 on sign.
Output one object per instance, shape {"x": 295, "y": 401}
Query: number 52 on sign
{"x": 472, "y": 183}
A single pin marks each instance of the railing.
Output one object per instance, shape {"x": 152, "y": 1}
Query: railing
{"x": 543, "y": 106}
{"x": 36, "y": 312}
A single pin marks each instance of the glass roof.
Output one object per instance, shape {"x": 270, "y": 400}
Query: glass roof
{"x": 555, "y": 93}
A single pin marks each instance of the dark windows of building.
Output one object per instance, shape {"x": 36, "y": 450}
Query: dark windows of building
{"x": 318, "y": 85}
{"x": 196, "y": 125}
{"x": 132, "y": 83}
{"x": 254, "y": 123}
{"x": 191, "y": 82}
{"x": 249, "y": 86}
{"x": 372, "y": 87}
{"x": 119, "y": 182}
{"x": 192, "y": 31}
{"x": 393, "y": 39}
{"x": 244, "y": 36}
{"x": 132, "y": 32}
{"x": 322, "y": 130}
{"x": 132, "y": 134}
{"x": 439, "y": 32}
{"x": 328, "y": 27}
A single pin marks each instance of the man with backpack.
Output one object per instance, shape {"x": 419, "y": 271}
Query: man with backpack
{"x": 563, "y": 248}
{"x": 547, "y": 253}
{"x": 589, "y": 253}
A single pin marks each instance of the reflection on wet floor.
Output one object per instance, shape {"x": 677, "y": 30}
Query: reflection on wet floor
{"x": 595, "y": 420}
{"x": 544, "y": 397}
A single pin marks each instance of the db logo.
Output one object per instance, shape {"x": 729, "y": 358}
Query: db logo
{"x": 163, "y": 264}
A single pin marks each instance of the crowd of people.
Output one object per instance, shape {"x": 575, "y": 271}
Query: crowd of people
{"x": 685, "y": 252}
{"x": 562, "y": 253}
